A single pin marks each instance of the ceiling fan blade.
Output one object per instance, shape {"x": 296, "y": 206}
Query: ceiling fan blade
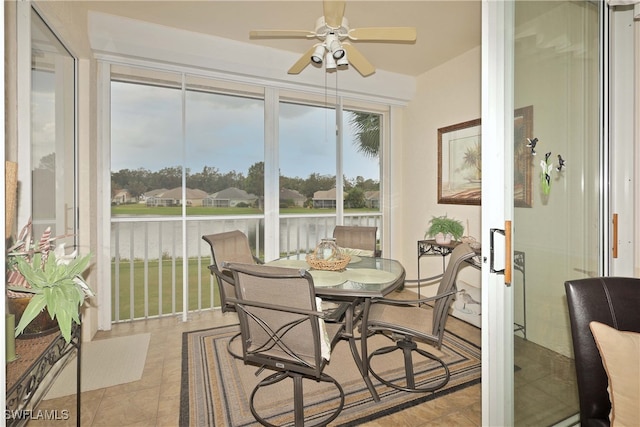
{"x": 280, "y": 34}
{"x": 383, "y": 34}
{"x": 333, "y": 12}
{"x": 358, "y": 60}
{"x": 301, "y": 64}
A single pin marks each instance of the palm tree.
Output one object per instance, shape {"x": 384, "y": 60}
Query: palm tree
{"x": 367, "y": 127}
{"x": 473, "y": 160}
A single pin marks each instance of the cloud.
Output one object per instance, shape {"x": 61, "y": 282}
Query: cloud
{"x": 223, "y": 131}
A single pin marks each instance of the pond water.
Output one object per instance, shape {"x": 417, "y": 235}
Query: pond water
{"x": 154, "y": 239}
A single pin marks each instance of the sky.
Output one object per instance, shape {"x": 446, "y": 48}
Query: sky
{"x": 225, "y": 132}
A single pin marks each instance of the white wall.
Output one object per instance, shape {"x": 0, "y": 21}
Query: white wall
{"x": 446, "y": 95}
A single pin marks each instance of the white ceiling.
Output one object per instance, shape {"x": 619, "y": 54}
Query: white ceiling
{"x": 445, "y": 29}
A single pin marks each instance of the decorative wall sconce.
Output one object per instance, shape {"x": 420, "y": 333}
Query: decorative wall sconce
{"x": 546, "y": 166}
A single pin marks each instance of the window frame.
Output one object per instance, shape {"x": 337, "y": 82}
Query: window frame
{"x": 271, "y": 96}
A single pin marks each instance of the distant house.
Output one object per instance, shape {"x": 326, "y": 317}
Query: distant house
{"x": 229, "y": 198}
{"x": 121, "y": 197}
{"x": 153, "y": 193}
{"x": 372, "y": 199}
{"x": 173, "y": 197}
{"x": 296, "y": 197}
{"x": 324, "y": 199}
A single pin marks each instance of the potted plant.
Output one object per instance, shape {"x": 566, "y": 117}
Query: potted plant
{"x": 445, "y": 229}
{"x": 43, "y": 278}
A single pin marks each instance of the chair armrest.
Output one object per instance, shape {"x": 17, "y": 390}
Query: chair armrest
{"x": 221, "y": 275}
{"x": 276, "y": 307}
{"x": 412, "y": 301}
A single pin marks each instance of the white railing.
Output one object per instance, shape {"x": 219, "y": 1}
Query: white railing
{"x": 147, "y": 256}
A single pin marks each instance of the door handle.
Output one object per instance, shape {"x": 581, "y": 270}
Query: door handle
{"x": 507, "y": 253}
{"x": 507, "y": 271}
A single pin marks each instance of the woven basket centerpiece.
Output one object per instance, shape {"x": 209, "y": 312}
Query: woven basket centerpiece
{"x": 328, "y": 256}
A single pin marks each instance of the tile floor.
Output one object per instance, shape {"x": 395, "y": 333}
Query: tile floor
{"x": 154, "y": 400}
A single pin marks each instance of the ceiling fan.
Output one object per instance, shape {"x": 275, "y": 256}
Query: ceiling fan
{"x": 332, "y": 29}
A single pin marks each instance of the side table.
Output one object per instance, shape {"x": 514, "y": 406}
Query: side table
{"x": 29, "y": 377}
{"x": 431, "y": 248}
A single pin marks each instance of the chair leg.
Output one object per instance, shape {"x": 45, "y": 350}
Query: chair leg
{"x": 298, "y": 398}
{"x": 231, "y": 352}
{"x": 407, "y": 348}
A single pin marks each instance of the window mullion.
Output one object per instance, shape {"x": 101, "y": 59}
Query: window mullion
{"x": 271, "y": 174}
{"x": 339, "y": 164}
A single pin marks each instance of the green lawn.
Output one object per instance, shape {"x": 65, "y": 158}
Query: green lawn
{"x": 160, "y": 282}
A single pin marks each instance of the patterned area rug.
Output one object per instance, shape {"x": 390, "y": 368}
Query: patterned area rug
{"x": 216, "y": 387}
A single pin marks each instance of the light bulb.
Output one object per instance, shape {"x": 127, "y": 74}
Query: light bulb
{"x": 318, "y": 54}
{"x": 336, "y": 48}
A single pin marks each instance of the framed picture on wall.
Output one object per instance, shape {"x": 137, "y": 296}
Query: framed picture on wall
{"x": 460, "y": 161}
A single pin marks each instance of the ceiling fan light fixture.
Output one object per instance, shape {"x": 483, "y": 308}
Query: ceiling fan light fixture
{"x": 335, "y": 47}
{"x": 330, "y": 63}
{"x": 318, "y": 54}
{"x": 342, "y": 62}
{"x": 332, "y": 29}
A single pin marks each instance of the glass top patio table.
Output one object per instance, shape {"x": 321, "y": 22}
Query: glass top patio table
{"x": 364, "y": 276}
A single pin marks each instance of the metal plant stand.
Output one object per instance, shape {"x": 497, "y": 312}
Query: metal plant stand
{"x": 40, "y": 360}
{"x": 431, "y": 248}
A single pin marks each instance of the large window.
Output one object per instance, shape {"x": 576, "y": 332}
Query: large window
{"x": 186, "y": 160}
{"x": 225, "y": 151}
{"x": 201, "y": 152}
{"x": 309, "y": 159}
{"x": 192, "y": 156}
{"x": 361, "y": 152}
{"x": 146, "y": 147}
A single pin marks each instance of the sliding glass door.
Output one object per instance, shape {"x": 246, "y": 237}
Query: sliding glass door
{"x": 541, "y": 112}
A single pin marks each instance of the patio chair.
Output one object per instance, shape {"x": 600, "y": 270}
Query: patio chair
{"x": 282, "y": 330}
{"x": 409, "y": 322}
{"x": 615, "y": 302}
{"x": 230, "y": 246}
{"x": 359, "y": 238}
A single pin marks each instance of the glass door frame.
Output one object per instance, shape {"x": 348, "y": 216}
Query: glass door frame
{"x": 497, "y": 208}
{"x": 498, "y": 23}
